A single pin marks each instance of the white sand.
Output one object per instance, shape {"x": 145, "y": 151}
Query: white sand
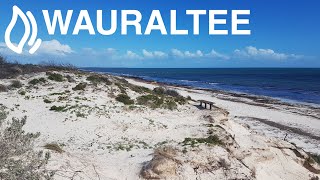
{"x": 113, "y": 141}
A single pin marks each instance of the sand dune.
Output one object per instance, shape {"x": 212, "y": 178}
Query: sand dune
{"x": 102, "y": 138}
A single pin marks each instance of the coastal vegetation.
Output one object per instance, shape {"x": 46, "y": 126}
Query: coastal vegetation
{"x": 18, "y": 159}
{"x": 125, "y": 99}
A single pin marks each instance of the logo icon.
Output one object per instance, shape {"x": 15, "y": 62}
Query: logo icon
{"x": 33, "y": 42}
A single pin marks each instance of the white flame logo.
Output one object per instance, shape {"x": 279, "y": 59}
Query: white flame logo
{"x": 33, "y": 42}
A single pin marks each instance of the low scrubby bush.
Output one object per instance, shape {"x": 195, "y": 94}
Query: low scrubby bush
{"x": 70, "y": 79}
{"x": 139, "y": 89}
{"x": 18, "y": 160}
{"x": 316, "y": 158}
{"x": 96, "y": 79}
{"x": 125, "y": 99}
{"x": 150, "y": 100}
{"x": 169, "y": 92}
{"x": 16, "y": 84}
{"x": 55, "y": 77}
{"x": 80, "y": 87}
{"x": 58, "y": 108}
{"x": 37, "y": 81}
{"x": 22, "y": 93}
{"x": 159, "y": 90}
{"x": 47, "y": 101}
{"x": 3, "y": 88}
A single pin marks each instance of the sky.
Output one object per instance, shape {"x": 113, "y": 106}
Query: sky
{"x": 283, "y": 34}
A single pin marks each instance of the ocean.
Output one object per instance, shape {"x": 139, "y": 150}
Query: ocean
{"x": 288, "y": 84}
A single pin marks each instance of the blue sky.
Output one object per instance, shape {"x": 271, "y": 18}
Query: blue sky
{"x": 284, "y": 34}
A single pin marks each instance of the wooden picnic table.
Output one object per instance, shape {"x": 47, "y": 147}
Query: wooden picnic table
{"x": 205, "y": 103}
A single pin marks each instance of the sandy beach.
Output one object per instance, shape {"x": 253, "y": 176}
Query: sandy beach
{"x": 107, "y": 127}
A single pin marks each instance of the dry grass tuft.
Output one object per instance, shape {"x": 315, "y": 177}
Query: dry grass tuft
{"x": 54, "y": 147}
{"x": 162, "y": 166}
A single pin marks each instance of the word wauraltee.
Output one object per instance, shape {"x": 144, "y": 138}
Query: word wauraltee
{"x": 133, "y": 18}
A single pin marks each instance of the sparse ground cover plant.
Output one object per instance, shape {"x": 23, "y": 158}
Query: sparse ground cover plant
{"x": 82, "y": 111}
{"x": 80, "y": 87}
{"x": 211, "y": 140}
{"x": 122, "y": 88}
{"x": 128, "y": 145}
{"x": 15, "y": 84}
{"x": 55, "y": 77}
{"x": 57, "y": 94}
{"x": 96, "y": 79}
{"x": 18, "y": 160}
{"x": 125, "y": 99}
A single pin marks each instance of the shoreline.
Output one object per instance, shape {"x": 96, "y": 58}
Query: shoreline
{"x": 257, "y": 100}
{"x": 302, "y": 134}
{"x": 105, "y": 135}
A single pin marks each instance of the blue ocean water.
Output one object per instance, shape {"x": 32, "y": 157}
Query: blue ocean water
{"x": 302, "y": 85}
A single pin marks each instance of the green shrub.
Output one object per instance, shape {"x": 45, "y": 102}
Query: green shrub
{"x": 125, "y": 99}
{"x": 22, "y": 93}
{"x": 3, "y": 88}
{"x": 170, "y": 104}
{"x": 154, "y": 101}
{"x": 58, "y": 108}
{"x": 159, "y": 90}
{"x": 96, "y": 79}
{"x": 37, "y": 81}
{"x": 55, "y": 77}
{"x": 47, "y": 101}
{"x": 172, "y": 93}
{"x": 16, "y": 84}
{"x": 150, "y": 100}
{"x": 80, "y": 87}
{"x": 139, "y": 89}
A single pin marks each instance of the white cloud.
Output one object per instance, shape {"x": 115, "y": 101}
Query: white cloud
{"x": 215, "y": 54}
{"x": 186, "y": 54}
{"x": 197, "y": 54}
{"x": 54, "y": 47}
{"x": 130, "y": 55}
{"x": 153, "y": 55}
{"x": 251, "y": 52}
{"x": 62, "y": 52}
{"x": 177, "y": 53}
